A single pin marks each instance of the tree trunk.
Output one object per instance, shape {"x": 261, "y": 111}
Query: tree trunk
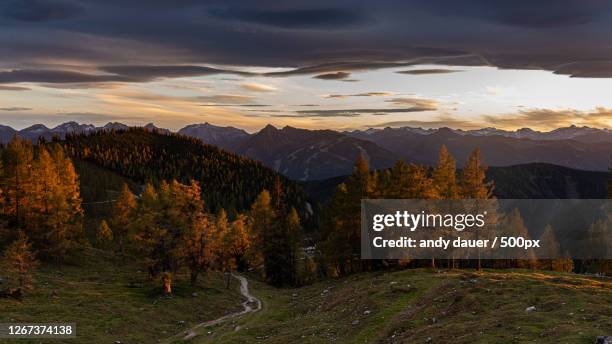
{"x": 193, "y": 277}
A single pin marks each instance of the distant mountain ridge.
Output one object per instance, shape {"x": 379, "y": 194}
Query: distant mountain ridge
{"x": 584, "y": 134}
{"x": 34, "y": 132}
{"x": 303, "y": 154}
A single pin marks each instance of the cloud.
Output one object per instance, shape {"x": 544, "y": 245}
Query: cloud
{"x": 15, "y": 109}
{"x": 366, "y": 94}
{"x": 600, "y": 117}
{"x": 428, "y": 71}
{"x": 438, "y": 122}
{"x": 54, "y": 76}
{"x": 523, "y": 13}
{"x": 37, "y": 11}
{"x": 333, "y": 76}
{"x": 355, "y": 112}
{"x": 255, "y": 87}
{"x": 148, "y": 73}
{"x": 13, "y": 88}
{"x": 420, "y": 103}
{"x": 225, "y": 99}
{"x": 312, "y": 18}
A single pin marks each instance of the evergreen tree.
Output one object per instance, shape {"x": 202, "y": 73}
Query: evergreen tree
{"x": 21, "y": 261}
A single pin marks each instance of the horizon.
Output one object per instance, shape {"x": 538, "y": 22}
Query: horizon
{"x": 280, "y": 127}
{"x": 319, "y": 65}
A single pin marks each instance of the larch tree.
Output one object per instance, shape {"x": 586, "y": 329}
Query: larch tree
{"x": 472, "y": 182}
{"x": 21, "y": 261}
{"x": 238, "y": 241}
{"x": 198, "y": 234}
{"x": 263, "y": 221}
{"x": 444, "y": 175}
{"x": 122, "y": 216}
{"x": 104, "y": 235}
{"x": 473, "y": 185}
{"x": 18, "y": 161}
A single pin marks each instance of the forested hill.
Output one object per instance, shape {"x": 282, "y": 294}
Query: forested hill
{"x": 227, "y": 180}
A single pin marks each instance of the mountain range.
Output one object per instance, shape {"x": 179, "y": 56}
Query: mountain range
{"x": 303, "y": 154}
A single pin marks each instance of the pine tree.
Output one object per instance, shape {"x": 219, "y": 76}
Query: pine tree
{"x": 21, "y": 261}
{"x": 444, "y": 178}
{"x": 122, "y": 216}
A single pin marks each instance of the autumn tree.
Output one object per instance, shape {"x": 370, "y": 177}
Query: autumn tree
{"x": 472, "y": 182}
{"x": 237, "y": 241}
{"x": 122, "y": 215}
{"x": 104, "y": 235}
{"x": 444, "y": 176}
{"x": 342, "y": 222}
{"x": 472, "y": 185}
{"x": 21, "y": 261}
{"x": 198, "y": 230}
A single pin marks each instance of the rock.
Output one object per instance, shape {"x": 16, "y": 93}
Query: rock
{"x": 194, "y": 295}
{"x": 237, "y": 328}
{"x": 118, "y": 342}
{"x": 603, "y": 340}
{"x": 355, "y": 322}
{"x": 428, "y": 340}
{"x": 366, "y": 312}
{"x": 181, "y": 322}
{"x": 530, "y": 309}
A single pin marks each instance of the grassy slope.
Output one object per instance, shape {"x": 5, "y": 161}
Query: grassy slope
{"x": 468, "y": 307}
{"x": 108, "y": 302}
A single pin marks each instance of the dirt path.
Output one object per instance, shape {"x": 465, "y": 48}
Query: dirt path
{"x": 250, "y": 305}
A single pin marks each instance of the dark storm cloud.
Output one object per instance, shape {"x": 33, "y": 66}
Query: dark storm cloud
{"x": 146, "y": 73}
{"x": 428, "y": 71}
{"x": 114, "y": 74}
{"x": 54, "y": 76}
{"x": 38, "y": 10}
{"x": 333, "y": 76}
{"x": 186, "y": 38}
{"x": 316, "y": 18}
{"x": 524, "y": 13}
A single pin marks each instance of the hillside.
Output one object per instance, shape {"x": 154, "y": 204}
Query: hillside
{"x": 304, "y": 154}
{"x": 111, "y": 300}
{"x": 535, "y": 180}
{"x": 419, "y": 306}
{"x": 228, "y": 180}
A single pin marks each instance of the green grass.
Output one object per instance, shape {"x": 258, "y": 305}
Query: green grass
{"x": 110, "y": 300}
{"x": 400, "y": 307}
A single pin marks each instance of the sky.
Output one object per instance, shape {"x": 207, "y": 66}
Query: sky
{"x": 318, "y": 64}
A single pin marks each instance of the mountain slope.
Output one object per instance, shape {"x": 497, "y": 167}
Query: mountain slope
{"x": 227, "y": 180}
{"x": 312, "y": 154}
{"x": 496, "y": 150}
{"x": 536, "y": 181}
{"x": 229, "y": 138}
